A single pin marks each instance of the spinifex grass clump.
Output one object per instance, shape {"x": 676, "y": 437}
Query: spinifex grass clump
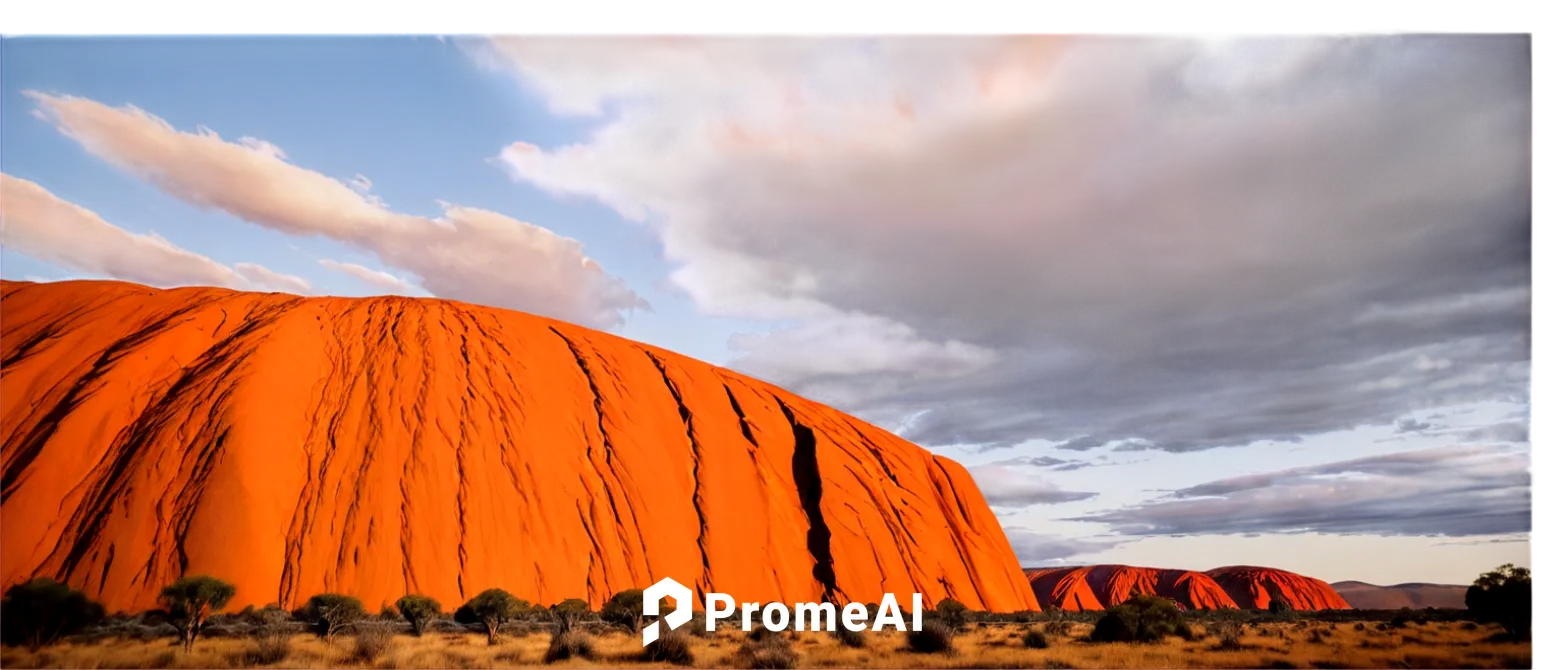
{"x": 935, "y": 638}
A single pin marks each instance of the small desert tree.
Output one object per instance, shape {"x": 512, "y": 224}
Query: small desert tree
{"x": 568, "y": 613}
{"x": 419, "y": 610}
{"x": 624, "y": 610}
{"x": 492, "y": 608}
{"x": 953, "y": 613}
{"x": 190, "y": 600}
{"x": 1503, "y": 596}
{"x": 330, "y": 613}
{"x": 41, "y": 611}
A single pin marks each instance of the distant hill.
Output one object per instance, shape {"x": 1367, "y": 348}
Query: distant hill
{"x": 1416, "y": 596}
{"x": 1094, "y": 587}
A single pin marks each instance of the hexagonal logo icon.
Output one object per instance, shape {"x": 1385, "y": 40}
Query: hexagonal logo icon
{"x": 651, "y": 605}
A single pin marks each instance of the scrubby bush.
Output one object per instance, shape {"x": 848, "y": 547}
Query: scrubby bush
{"x": 271, "y": 637}
{"x": 624, "y": 610}
{"x": 41, "y": 611}
{"x": 190, "y": 600}
{"x": 850, "y": 638}
{"x": 330, "y": 613}
{"x": 492, "y": 608}
{"x": 1058, "y": 628}
{"x": 1503, "y": 596}
{"x": 566, "y": 614}
{"x": 1140, "y": 619}
{"x": 1035, "y": 638}
{"x": 418, "y": 610}
{"x": 952, "y": 613}
{"x": 767, "y": 652}
{"x": 669, "y": 647}
{"x": 935, "y": 638}
{"x": 567, "y": 644}
{"x": 1228, "y": 635}
{"x": 370, "y": 642}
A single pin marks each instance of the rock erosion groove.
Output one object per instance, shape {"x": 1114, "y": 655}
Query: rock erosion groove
{"x": 382, "y": 446}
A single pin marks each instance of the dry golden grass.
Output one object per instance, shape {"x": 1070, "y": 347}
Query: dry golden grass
{"x": 1310, "y": 645}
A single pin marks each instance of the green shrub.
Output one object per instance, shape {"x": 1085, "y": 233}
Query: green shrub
{"x": 567, "y": 613}
{"x": 41, "y": 611}
{"x": 624, "y": 610}
{"x": 418, "y": 610}
{"x": 1140, "y": 619}
{"x": 1503, "y": 596}
{"x": 952, "y": 613}
{"x": 1035, "y": 638}
{"x": 190, "y": 600}
{"x": 330, "y": 613}
{"x": 492, "y": 608}
{"x": 935, "y": 638}
{"x": 567, "y": 644}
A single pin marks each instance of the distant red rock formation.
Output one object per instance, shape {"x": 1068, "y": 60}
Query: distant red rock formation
{"x": 1096, "y": 587}
{"x": 1253, "y": 587}
{"x": 1065, "y": 588}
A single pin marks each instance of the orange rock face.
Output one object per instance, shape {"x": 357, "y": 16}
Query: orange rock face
{"x": 1096, "y": 587}
{"x": 386, "y": 446}
{"x": 1065, "y": 588}
{"x": 1253, "y": 587}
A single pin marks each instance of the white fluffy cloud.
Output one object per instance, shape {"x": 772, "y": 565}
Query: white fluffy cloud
{"x": 35, "y": 222}
{"x": 468, "y": 254}
{"x": 381, "y": 280}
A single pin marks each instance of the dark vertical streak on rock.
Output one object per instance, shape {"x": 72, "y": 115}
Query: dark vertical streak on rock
{"x": 134, "y": 443}
{"x": 608, "y": 450}
{"x": 461, "y": 463}
{"x": 739, "y": 412}
{"x": 335, "y": 406}
{"x": 695, "y": 456}
{"x": 806, "y": 475}
{"x": 415, "y": 445}
{"x": 951, "y": 492}
{"x": 21, "y": 454}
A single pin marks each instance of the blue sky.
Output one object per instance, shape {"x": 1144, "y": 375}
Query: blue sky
{"x": 1180, "y": 303}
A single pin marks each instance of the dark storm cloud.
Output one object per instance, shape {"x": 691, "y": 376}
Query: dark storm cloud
{"x": 1117, "y": 243}
{"x": 1450, "y": 491}
{"x": 1005, "y": 487}
{"x": 1510, "y": 431}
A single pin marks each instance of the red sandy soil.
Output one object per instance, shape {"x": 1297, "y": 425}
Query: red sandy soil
{"x": 382, "y": 446}
{"x": 1095, "y": 587}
